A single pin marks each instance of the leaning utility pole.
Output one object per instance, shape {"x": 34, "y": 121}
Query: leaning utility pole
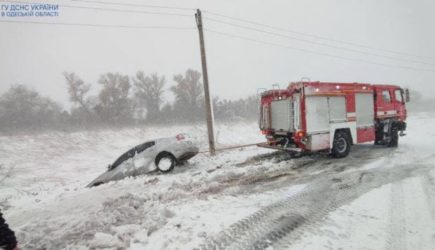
{"x": 208, "y": 108}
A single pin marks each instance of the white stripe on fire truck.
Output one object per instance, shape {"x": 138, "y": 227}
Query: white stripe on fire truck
{"x": 390, "y": 112}
{"x": 353, "y": 114}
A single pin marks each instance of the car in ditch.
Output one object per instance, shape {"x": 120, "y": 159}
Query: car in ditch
{"x": 161, "y": 154}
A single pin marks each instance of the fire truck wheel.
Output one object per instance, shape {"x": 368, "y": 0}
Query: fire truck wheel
{"x": 295, "y": 155}
{"x": 394, "y": 141}
{"x": 341, "y": 145}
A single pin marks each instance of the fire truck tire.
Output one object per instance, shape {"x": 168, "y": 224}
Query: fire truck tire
{"x": 341, "y": 145}
{"x": 394, "y": 141}
{"x": 295, "y": 155}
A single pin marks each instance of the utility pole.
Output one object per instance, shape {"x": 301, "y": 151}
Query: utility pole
{"x": 208, "y": 108}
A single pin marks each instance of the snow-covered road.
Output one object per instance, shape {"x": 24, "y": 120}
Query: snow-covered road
{"x": 252, "y": 198}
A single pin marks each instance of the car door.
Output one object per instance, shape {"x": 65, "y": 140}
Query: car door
{"x": 145, "y": 154}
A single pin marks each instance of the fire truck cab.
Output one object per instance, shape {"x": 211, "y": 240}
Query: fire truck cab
{"x": 321, "y": 116}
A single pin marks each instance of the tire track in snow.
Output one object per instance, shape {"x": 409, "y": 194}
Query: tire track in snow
{"x": 268, "y": 225}
{"x": 277, "y": 225}
{"x": 238, "y": 235}
{"x": 397, "y": 226}
{"x": 429, "y": 190}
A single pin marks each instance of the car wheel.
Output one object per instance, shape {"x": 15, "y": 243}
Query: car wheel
{"x": 165, "y": 162}
{"x": 341, "y": 145}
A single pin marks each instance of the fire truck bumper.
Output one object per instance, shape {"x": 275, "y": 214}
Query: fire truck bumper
{"x": 290, "y": 149}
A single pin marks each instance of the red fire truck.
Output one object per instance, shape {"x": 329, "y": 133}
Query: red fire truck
{"x": 323, "y": 116}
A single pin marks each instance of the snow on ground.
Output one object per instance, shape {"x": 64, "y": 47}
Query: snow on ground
{"x": 394, "y": 216}
{"x": 398, "y": 215}
{"x": 44, "y": 199}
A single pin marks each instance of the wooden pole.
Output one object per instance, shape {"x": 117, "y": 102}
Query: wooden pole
{"x": 208, "y": 107}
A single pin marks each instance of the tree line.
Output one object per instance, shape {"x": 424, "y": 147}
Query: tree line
{"x": 121, "y": 100}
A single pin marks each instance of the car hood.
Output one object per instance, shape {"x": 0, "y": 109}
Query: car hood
{"x": 124, "y": 170}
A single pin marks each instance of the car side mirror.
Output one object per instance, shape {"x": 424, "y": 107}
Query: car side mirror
{"x": 109, "y": 166}
{"x": 407, "y": 97}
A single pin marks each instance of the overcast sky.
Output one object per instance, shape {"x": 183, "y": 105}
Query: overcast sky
{"x": 36, "y": 55}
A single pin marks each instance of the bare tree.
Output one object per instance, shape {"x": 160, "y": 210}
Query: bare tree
{"x": 149, "y": 93}
{"x": 188, "y": 95}
{"x": 77, "y": 90}
{"x": 115, "y": 105}
{"x": 82, "y": 111}
{"x": 23, "y": 108}
{"x": 241, "y": 109}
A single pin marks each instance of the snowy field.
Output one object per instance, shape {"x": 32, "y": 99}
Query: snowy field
{"x": 251, "y": 198}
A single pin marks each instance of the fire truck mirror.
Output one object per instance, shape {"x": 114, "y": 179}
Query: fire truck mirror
{"x": 407, "y": 97}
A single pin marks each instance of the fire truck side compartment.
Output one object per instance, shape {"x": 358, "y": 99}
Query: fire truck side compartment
{"x": 282, "y": 115}
{"x": 322, "y": 113}
{"x": 317, "y": 114}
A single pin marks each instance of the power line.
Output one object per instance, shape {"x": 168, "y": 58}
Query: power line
{"x": 222, "y": 33}
{"x": 316, "y": 36}
{"x": 315, "y": 52}
{"x": 135, "y": 5}
{"x": 241, "y": 26}
{"x": 278, "y": 28}
{"x": 106, "y": 9}
{"x": 317, "y": 43}
{"x": 100, "y": 25}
